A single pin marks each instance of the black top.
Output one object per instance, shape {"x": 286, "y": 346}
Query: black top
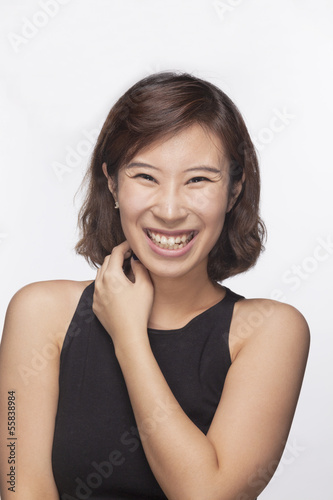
{"x": 97, "y": 452}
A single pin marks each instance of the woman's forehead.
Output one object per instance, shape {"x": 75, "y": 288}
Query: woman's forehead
{"x": 193, "y": 144}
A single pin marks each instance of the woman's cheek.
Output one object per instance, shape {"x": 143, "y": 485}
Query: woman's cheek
{"x": 132, "y": 204}
{"x": 209, "y": 204}
{"x": 210, "y": 196}
{"x": 132, "y": 201}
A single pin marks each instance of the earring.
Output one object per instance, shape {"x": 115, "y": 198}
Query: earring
{"x": 116, "y": 205}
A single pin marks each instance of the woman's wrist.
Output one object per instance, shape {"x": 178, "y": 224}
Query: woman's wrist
{"x": 132, "y": 347}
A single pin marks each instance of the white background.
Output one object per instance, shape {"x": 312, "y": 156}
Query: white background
{"x": 60, "y": 74}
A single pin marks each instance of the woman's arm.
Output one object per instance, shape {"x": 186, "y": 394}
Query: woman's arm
{"x": 250, "y": 428}
{"x": 29, "y": 369}
{"x": 246, "y": 438}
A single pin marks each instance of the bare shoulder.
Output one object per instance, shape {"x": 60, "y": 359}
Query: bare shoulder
{"x": 254, "y": 318}
{"x": 36, "y": 322}
{"x": 260, "y": 394}
{"x": 50, "y": 305}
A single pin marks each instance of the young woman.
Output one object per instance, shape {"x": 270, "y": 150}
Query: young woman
{"x": 154, "y": 380}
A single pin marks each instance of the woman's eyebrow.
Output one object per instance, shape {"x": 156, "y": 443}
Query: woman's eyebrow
{"x": 140, "y": 164}
{"x": 205, "y": 168}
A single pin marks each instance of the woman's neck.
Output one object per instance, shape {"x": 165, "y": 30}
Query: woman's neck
{"x": 177, "y": 300}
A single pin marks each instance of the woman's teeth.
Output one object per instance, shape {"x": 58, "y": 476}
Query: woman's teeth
{"x": 171, "y": 243}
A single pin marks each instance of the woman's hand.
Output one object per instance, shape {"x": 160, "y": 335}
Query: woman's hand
{"x": 121, "y": 306}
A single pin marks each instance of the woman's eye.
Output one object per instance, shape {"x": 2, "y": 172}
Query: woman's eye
{"x": 145, "y": 176}
{"x": 195, "y": 180}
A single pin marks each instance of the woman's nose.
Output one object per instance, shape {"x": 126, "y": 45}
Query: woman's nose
{"x": 170, "y": 205}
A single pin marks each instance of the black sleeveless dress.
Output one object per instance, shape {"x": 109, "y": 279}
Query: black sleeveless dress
{"x": 97, "y": 453}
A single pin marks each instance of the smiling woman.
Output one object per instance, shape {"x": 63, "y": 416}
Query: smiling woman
{"x": 167, "y": 202}
{"x": 159, "y": 385}
{"x": 158, "y": 108}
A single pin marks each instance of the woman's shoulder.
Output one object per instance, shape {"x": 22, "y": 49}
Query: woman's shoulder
{"x": 49, "y": 305}
{"x": 257, "y": 317}
{"x": 49, "y": 294}
{"x": 258, "y": 311}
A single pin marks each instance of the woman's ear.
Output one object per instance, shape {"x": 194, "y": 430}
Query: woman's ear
{"x": 236, "y": 191}
{"x": 111, "y": 185}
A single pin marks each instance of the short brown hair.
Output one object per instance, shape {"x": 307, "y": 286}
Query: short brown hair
{"x": 154, "y": 107}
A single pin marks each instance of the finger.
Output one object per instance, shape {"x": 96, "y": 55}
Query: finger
{"x": 114, "y": 265}
{"x": 101, "y": 270}
{"x": 139, "y": 269}
{"x": 108, "y": 278}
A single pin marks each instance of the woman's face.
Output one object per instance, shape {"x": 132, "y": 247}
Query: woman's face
{"x": 173, "y": 197}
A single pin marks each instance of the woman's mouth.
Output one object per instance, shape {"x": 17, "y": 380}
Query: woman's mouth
{"x": 170, "y": 242}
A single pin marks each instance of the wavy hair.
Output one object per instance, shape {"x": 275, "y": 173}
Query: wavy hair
{"x": 154, "y": 107}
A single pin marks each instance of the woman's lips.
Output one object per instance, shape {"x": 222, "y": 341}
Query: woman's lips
{"x": 170, "y": 233}
{"x": 170, "y": 242}
{"x": 175, "y": 243}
